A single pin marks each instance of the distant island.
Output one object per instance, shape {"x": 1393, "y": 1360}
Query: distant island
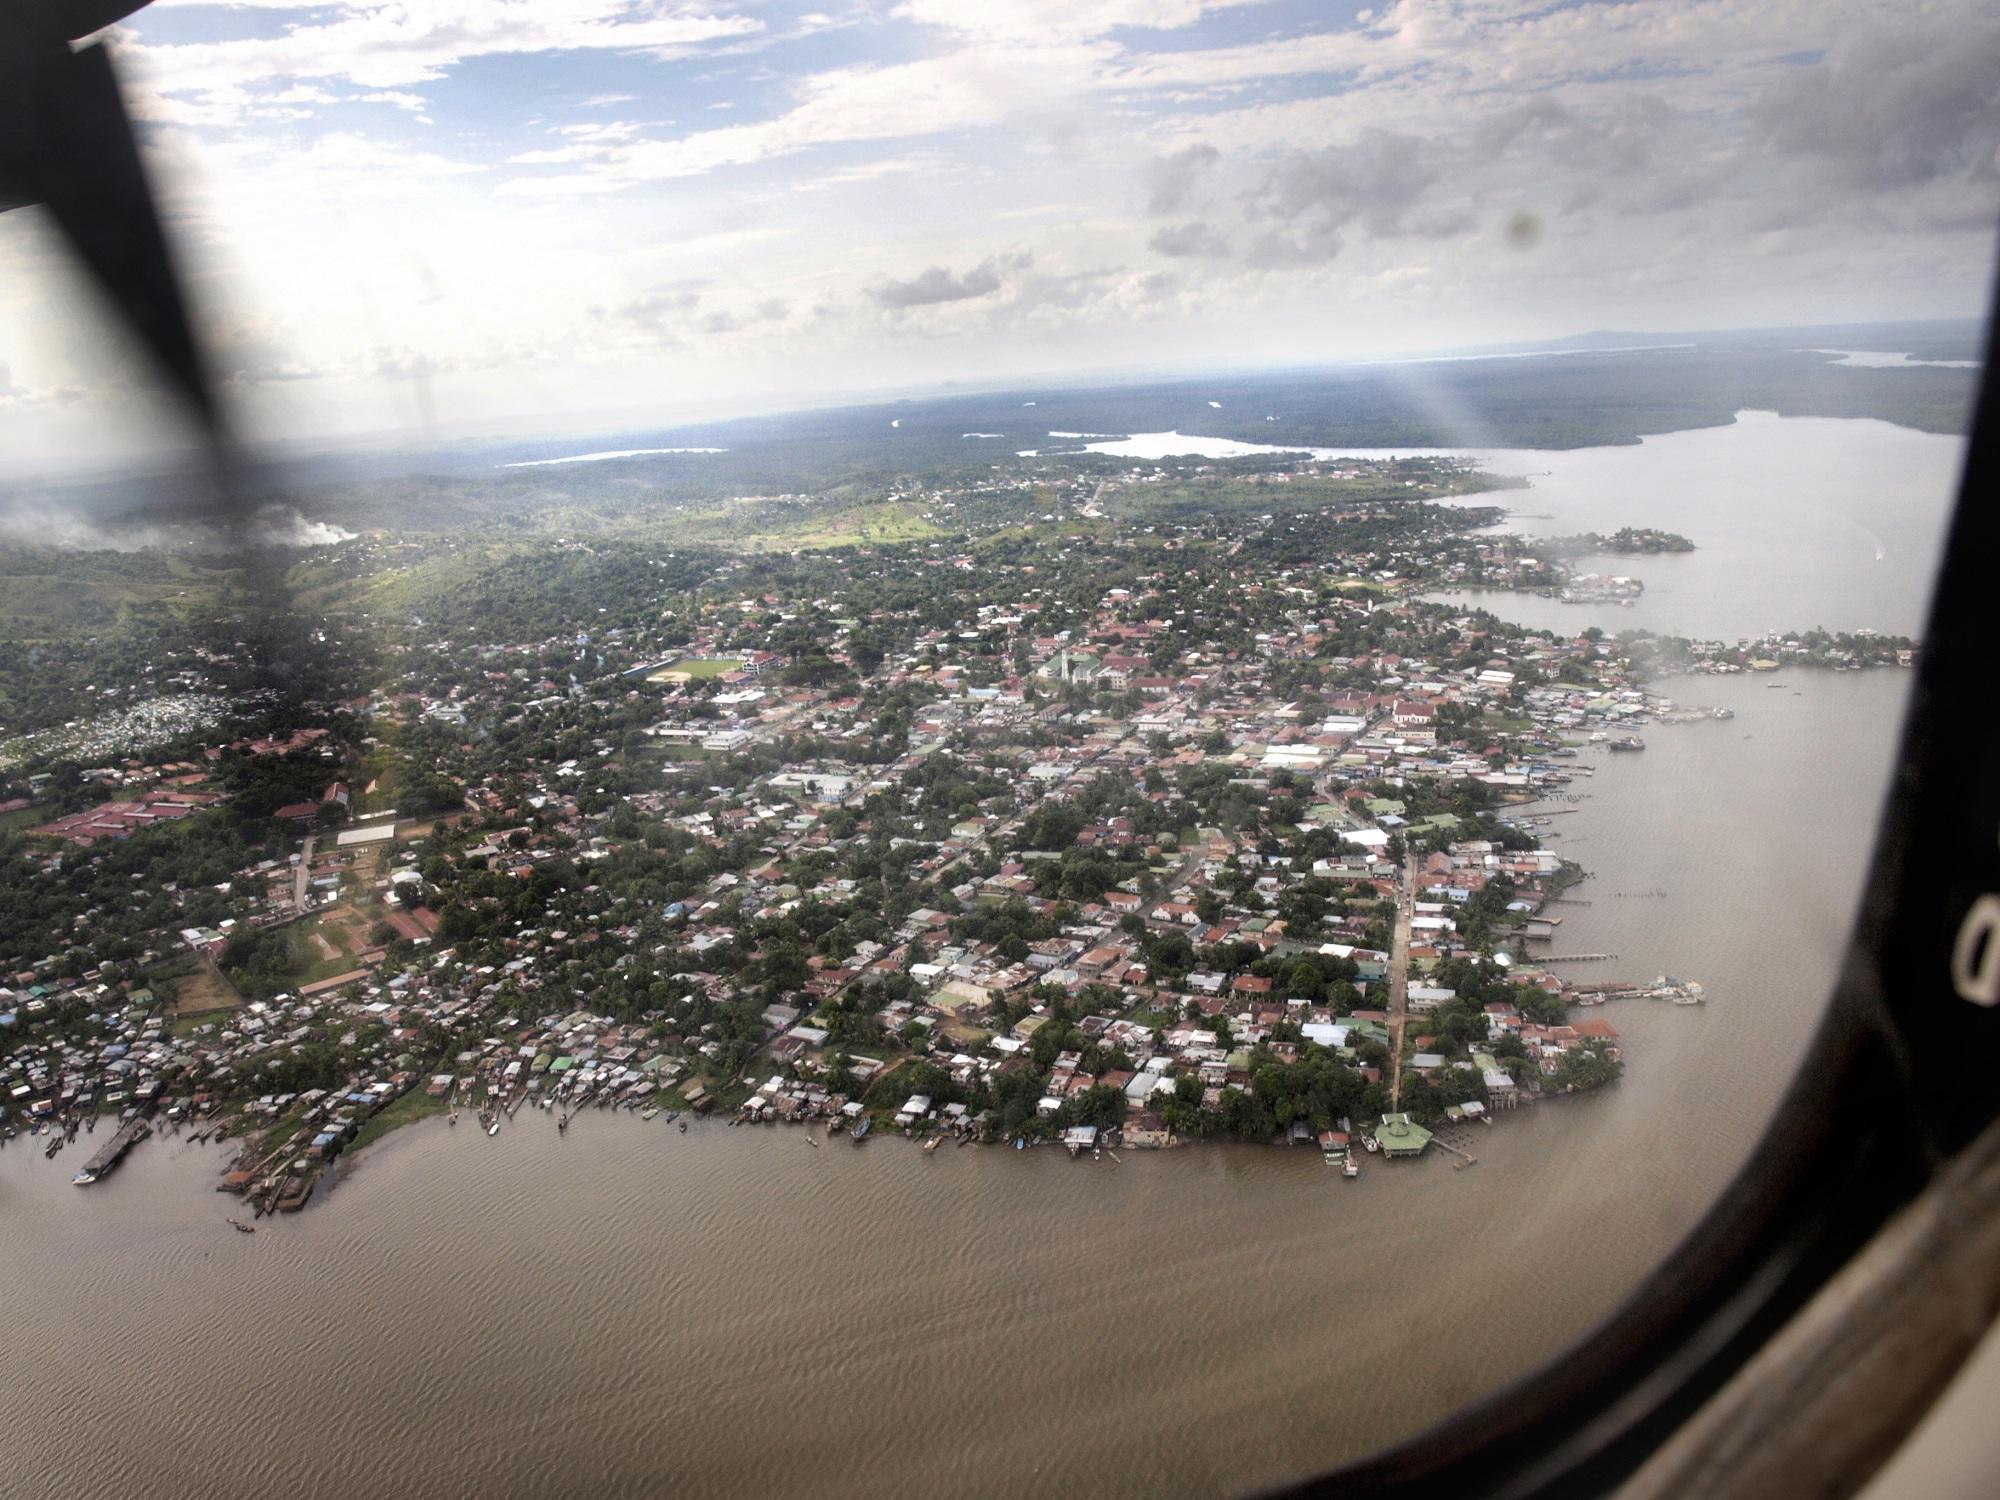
{"x": 1544, "y": 565}
{"x": 1625, "y": 540}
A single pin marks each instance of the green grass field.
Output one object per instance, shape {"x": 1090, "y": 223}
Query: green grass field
{"x": 871, "y": 525}
{"x": 706, "y": 666}
{"x": 317, "y": 948}
{"x": 1043, "y": 533}
{"x": 414, "y": 1106}
{"x": 23, "y": 817}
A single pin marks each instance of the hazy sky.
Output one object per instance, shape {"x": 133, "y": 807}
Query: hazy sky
{"x": 556, "y": 214}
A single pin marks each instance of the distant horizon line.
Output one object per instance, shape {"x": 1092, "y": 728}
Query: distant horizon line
{"x": 388, "y": 442}
{"x": 1571, "y": 343}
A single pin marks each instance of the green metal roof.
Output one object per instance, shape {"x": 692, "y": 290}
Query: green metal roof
{"x": 1402, "y": 1136}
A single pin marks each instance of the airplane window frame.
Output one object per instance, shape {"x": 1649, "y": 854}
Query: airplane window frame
{"x": 1897, "y": 1081}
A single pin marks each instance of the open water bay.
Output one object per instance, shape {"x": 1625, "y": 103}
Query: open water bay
{"x": 1797, "y": 522}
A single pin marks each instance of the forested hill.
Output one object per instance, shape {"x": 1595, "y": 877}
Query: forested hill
{"x": 1565, "y": 400}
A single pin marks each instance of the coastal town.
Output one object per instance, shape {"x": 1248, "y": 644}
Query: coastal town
{"x": 1085, "y": 819}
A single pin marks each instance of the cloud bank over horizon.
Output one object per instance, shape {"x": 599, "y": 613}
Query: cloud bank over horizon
{"x": 444, "y": 216}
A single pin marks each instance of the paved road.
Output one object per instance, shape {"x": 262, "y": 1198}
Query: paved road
{"x": 303, "y": 873}
{"x": 1399, "y": 979}
{"x": 1183, "y": 872}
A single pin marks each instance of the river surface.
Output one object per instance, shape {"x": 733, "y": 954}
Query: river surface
{"x": 628, "y": 1310}
{"x": 1797, "y": 522}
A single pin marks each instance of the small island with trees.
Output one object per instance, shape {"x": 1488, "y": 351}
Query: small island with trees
{"x": 1626, "y": 541}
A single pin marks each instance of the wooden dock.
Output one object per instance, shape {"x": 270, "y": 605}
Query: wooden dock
{"x": 113, "y": 1151}
{"x": 1466, "y": 1158}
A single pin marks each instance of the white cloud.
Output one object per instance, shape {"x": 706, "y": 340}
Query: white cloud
{"x": 416, "y": 103}
{"x": 937, "y": 284}
{"x": 1009, "y": 184}
{"x": 1031, "y": 20}
{"x": 1191, "y": 239}
{"x": 1420, "y": 61}
{"x": 956, "y": 91}
{"x": 393, "y": 45}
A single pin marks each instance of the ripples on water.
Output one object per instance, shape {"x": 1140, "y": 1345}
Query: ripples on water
{"x": 630, "y": 1310}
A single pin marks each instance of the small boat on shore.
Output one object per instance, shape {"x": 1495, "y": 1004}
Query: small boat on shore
{"x": 650, "y": 1113}
{"x": 1679, "y": 991}
{"x": 861, "y": 1128}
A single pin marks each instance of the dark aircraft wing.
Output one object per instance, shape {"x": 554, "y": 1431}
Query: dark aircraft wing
{"x": 67, "y": 143}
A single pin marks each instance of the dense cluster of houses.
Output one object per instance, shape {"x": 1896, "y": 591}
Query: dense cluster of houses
{"x": 1162, "y": 973}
